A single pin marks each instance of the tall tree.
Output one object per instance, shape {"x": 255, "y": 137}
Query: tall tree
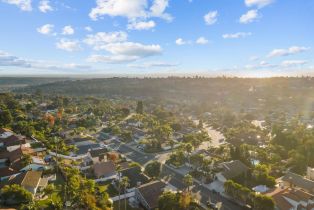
{"x": 5, "y": 117}
{"x": 153, "y": 169}
{"x": 188, "y": 181}
{"x": 139, "y": 107}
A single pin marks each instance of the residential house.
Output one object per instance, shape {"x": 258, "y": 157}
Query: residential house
{"x": 292, "y": 199}
{"x": 30, "y": 180}
{"x": 105, "y": 170}
{"x": 135, "y": 175}
{"x": 231, "y": 170}
{"x": 5, "y": 133}
{"x": 148, "y": 194}
{"x": 98, "y": 155}
{"x": 12, "y": 142}
{"x": 298, "y": 182}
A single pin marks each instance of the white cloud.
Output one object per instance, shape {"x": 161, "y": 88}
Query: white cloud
{"x": 101, "y": 39}
{"x": 46, "y": 29}
{"x": 68, "y": 45}
{"x": 25, "y": 5}
{"x": 153, "y": 65}
{"x": 211, "y": 17}
{"x": 113, "y": 59}
{"x": 180, "y": 41}
{"x": 133, "y": 49}
{"x": 261, "y": 65}
{"x": 121, "y": 52}
{"x": 158, "y": 9}
{"x": 258, "y": 3}
{"x": 236, "y": 35}
{"x": 9, "y": 60}
{"x": 249, "y": 17}
{"x": 290, "y": 51}
{"x": 44, "y": 6}
{"x": 141, "y": 25}
{"x": 88, "y": 28}
{"x": 202, "y": 40}
{"x": 68, "y": 30}
{"x": 129, "y": 9}
{"x": 135, "y": 10}
{"x": 291, "y": 63}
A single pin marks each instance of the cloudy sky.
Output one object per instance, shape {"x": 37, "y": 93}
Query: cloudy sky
{"x": 211, "y": 37}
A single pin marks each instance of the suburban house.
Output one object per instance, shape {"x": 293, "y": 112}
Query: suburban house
{"x": 231, "y": 170}
{"x": 30, "y": 180}
{"x": 292, "y": 199}
{"x": 298, "y": 182}
{"x": 5, "y": 133}
{"x": 135, "y": 175}
{"x": 12, "y": 142}
{"x": 98, "y": 155}
{"x": 105, "y": 170}
{"x": 148, "y": 194}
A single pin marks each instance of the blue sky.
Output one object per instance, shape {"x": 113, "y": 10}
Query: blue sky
{"x": 209, "y": 37}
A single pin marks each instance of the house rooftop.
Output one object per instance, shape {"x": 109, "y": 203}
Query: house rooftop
{"x": 282, "y": 196}
{"x": 11, "y": 156}
{"x": 151, "y": 192}
{"x": 13, "y": 140}
{"x": 299, "y": 181}
{"x": 104, "y": 169}
{"x": 3, "y": 130}
{"x": 98, "y": 152}
{"x": 28, "y": 179}
{"x": 233, "y": 168}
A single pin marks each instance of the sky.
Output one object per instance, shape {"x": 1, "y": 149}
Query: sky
{"x": 254, "y": 38}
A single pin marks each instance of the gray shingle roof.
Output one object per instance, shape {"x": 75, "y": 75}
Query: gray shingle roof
{"x": 299, "y": 181}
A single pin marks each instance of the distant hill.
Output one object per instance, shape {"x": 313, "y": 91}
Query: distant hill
{"x": 291, "y": 95}
{"x": 10, "y": 83}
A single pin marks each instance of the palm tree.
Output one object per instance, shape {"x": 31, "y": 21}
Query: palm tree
{"x": 119, "y": 183}
{"x": 189, "y": 148}
{"x": 188, "y": 181}
{"x": 125, "y": 184}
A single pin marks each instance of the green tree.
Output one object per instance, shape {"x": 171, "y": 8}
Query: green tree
{"x": 49, "y": 190}
{"x": 168, "y": 201}
{"x": 153, "y": 169}
{"x": 5, "y": 118}
{"x": 125, "y": 183}
{"x": 15, "y": 194}
{"x": 139, "y": 107}
{"x": 188, "y": 181}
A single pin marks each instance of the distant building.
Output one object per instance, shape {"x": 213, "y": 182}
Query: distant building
{"x": 148, "y": 194}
